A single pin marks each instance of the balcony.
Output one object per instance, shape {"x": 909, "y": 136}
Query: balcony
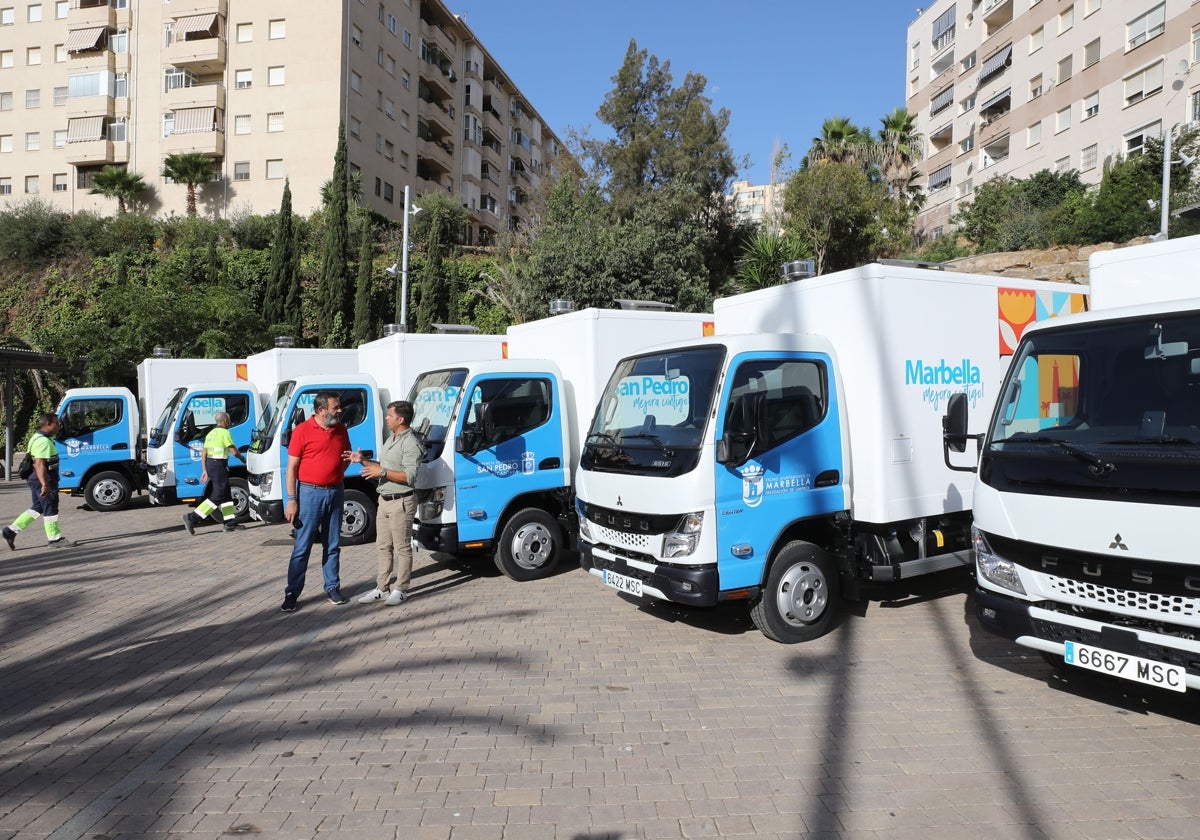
{"x": 994, "y": 151}
{"x": 439, "y": 86}
{"x": 211, "y": 143}
{"x": 209, "y": 95}
{"x": 91, "y": 152}
{"x": 207, "y": 54}
{"x": 99, "y": 14}
{"x": 90, "y": 106}
{"x": 434, "y": 155}
{"x": 187, "y": 8}
{"x": 996, "y": 14}
{"x": 436, "y": 116}
{"x": 435, "y": 34}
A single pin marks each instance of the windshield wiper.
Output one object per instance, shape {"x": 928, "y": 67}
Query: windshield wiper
{"x": 1096, "y": 464}
{"x": 1174, "y": 441}
{"x": 655, "y": 439}
{"x": 601, "y": 437}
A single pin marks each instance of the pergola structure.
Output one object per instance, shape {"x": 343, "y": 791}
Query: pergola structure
{"x": 14, "y": 359}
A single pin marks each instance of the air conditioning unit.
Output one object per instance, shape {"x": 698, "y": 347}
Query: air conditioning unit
{"x": 798, "y": 269}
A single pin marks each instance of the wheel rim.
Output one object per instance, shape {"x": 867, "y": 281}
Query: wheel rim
{"x": 532, "y": 546}
{"x": 803, "y": 595}
{"x": 109, "y": 492}
{"x": 241, "y": 500}
{"x": 354, "y": 519}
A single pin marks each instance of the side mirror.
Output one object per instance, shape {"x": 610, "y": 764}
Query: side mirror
{"x": 954, "y": 424}
{"x": 468, "y": 442}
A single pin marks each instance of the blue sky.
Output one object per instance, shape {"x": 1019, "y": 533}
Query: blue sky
{"x": 780, "y": 67}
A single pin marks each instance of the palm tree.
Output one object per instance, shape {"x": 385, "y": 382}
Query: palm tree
{"x": 899, "y": 151}
{"x": 841, "y": 141}
{"x": 189, "y": 168}
{"x": 119, "y": 183}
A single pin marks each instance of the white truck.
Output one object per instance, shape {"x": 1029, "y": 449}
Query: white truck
{"x": 796, "y": 453}
{"x": 1088, "y": 477}
{"x": 505, "y": 436}
{"x": 365, "y": 380}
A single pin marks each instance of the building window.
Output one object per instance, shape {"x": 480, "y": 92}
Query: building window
{"x": 60, "y": 138}
{"x": 967, "y": 145}
{"x": 1036, "y": 39}
{"x": 33, "y": 56}
{"x": 6, "y": 59}
{"x": 60, "y": 182}
{"x": 389, "y": 150}
{"x": 274, "y": 169}
{"x": 7, "y": 16}
{"x": 34, "y": 14}
{"x": 6, "y": 100}
{"x": 6, "y": 144}
{"x": 242, "y": 79}
{"x": 32, "y": 184}
{"x": 1065, "y": 69}
{"x": 404, "y": 160}
{"x": 379, "y": 143}
{"x": 277, "y": 29}
{"x": 5, "y": 186}
{"x": 389, "y": 108}
{"x": 33, "y": 141}
{"x": 275, "y": 121}
{"x": 388, "y": 192}
{"x": 1195, "y": 106}
{"x": 1150, "y": 25}
{"x": 406, "y": 80}
{"x": 1135, "y": 141}
{"x": 968, "y": 62}
{"x": 404, "y": 119}
{"x": 389, "y": 65}
{"x": 33, "y": 98}
{"x": 969, "y": 102}
{"x": 915, "y": 53}
{"x": 1087, "y": 160}
{"x": 355, "y": 82}
{"x": 61, "y": 8}
{"x": 1091, "y": 105}
{"x": 60, "y": 96}
{"x": 356, "y": 36}
{"x": 940, "y": 179}
{"x": 378, "y": 187}
{"x": 407, "y": 38}
{"x": 356, "y": 128}
{"x": 241, "y": 124}
{"x": 245, "y": 33}
{"x": 241, "y": 170}
{"x": 116, "y": 130}
{"x": 275, "y": 76}
{"x": 1033, "y": 135}
{"x": 1144, "y": 83}
{"x": 121, "y": 86}
{"x": 1090, "y": 6}
{"x": 1035, "y": 87}
{"x": 1066, "y": 19}
{"x": 1062, "y": 164}
{"x": 60, "y": 53}
{"x": 1196, "y": 45}
{"x": 118, "y": 41}
{"x": 391, "y": 23}
{"x": 1062, "y": 120}
{"x": 1091, "y": 53}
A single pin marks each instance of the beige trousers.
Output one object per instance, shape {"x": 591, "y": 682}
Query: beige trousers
{"x": 393, "y": 536}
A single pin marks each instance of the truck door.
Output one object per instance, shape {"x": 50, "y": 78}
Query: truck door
{"x": 196, "y": 419}
{"x": 94, "y": 431}
{"x": 779, "y": 419}
{"x": 511, "y": 444}
{"x": 357, "y": 416}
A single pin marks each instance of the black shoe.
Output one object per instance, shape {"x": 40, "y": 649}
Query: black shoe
{"x": 10, "y": 537}
{"x": 237, "y": 526}
{"x": 61, "y": 542}
{"x": 337, "y": 598}
{"x": 289, "y": 603}
{"x": 189, "y": 524}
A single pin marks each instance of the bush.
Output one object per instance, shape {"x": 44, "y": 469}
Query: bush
{"x": 252, "y": 231}
{"x": 33, "y": 232}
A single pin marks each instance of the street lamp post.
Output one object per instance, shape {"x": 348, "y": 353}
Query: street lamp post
{"x": 1164, "y": 202}
{"x": 409, "y": 210}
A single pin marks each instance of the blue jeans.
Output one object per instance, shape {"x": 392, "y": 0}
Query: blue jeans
{"x": 320, "y": 518}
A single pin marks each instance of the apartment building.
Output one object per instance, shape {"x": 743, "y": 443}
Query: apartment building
{"x": 1012, "y": 87}
{"x": 761, "y": 204}
{"x": 258, "y": 86}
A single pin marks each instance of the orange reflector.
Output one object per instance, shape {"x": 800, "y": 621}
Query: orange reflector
{"x": 737, "y": 593}
{"x": 709, "y": 328}
{"x": 503, "y": 349}
{"x": 473, "y": 545}
{"x": 242, "y": 373}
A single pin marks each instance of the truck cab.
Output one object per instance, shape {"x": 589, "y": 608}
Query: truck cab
{"x": 98, "y": 442}
{"x": 290, "y": 404}
{"x": 496, "y": 476}
{"x": 175, "y": 443}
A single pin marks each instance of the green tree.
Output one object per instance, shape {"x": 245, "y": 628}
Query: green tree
{"x": 439, "y": 231}
{"x": 119, "y": 183}
{"x": 363, "y": 321}
{"x": 191, "y": 169}
{"x": 281, "y": 301}
{"x": 899, "y": 151}
{"x": 840, "y": 141}
{"x": 833, "y": 208}
{"x": 333, "y": 282}
{"x": 762, "y": 258}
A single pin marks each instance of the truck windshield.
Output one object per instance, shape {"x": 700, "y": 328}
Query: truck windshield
{"x": 434, "y": 396}
{"x": 653, "y": 413}
{"x": 269, "y": 421}
{"x": 158, "y": 434}
{"x": 1113, "y": 408}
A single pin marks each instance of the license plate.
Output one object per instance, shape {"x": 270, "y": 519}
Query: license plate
{"x": 623, "y": 583}
{"x": 1126, "y": 667}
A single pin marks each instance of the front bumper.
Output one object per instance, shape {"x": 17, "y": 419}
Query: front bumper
{"x": 269, "y": 511}
{"x": 435, "y": 536}
{"x": 162, "y": 495}
{"x": 696, "y": 586}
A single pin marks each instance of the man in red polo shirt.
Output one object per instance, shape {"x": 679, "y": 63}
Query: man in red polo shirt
{"x": 317, "y": 458}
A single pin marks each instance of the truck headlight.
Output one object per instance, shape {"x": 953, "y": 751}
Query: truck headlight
{"x": 585, "y": 529}
{"x": 266, "y": 483}
{"x": 992, "y": 567}
{"x": 683, "y": 540}
{"x": 431, "y": 508}
{"x": 160, "y": 472}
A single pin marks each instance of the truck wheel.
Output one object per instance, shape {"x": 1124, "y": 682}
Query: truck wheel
{"x": 530, "y": 545}
{"x": 107, "y": 491}
{"x": 240, "y": 490}
{"x": 799, "y": 601}
{"x": 358, "y": 518}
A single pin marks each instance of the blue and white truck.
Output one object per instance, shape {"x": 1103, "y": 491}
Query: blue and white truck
{"x": 105, "y": 449}
{"x": 797, "y": 453}
{"x": 1088, "y": 477}
{"x": 365, "y": 380}
{"x": 504, "y": 436}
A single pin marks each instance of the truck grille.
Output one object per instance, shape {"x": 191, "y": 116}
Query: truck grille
{"x": 621, "y": 539}
{"x": 1173, "y": 605}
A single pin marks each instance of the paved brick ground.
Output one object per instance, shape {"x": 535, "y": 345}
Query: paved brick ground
{"x": 149, "y": 687}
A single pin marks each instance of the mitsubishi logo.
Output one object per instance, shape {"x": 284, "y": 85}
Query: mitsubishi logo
{"x": 1118, "y": 543}
{"x": 619, "y": 502}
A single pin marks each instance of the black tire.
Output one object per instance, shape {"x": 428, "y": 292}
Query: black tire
{"x": 530, "y": 545}
{"x": 799, "y": 601}
{"x": 108, "y": 491}
{"x": 239, "y": 489}
{"x": 1053, "y": 660}
{"x": 358, "y": 518}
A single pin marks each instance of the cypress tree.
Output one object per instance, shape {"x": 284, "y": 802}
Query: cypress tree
{"x": 362, "y": 289}
{"x": 281, "y": 302}
{"x": 332, "y": 286}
